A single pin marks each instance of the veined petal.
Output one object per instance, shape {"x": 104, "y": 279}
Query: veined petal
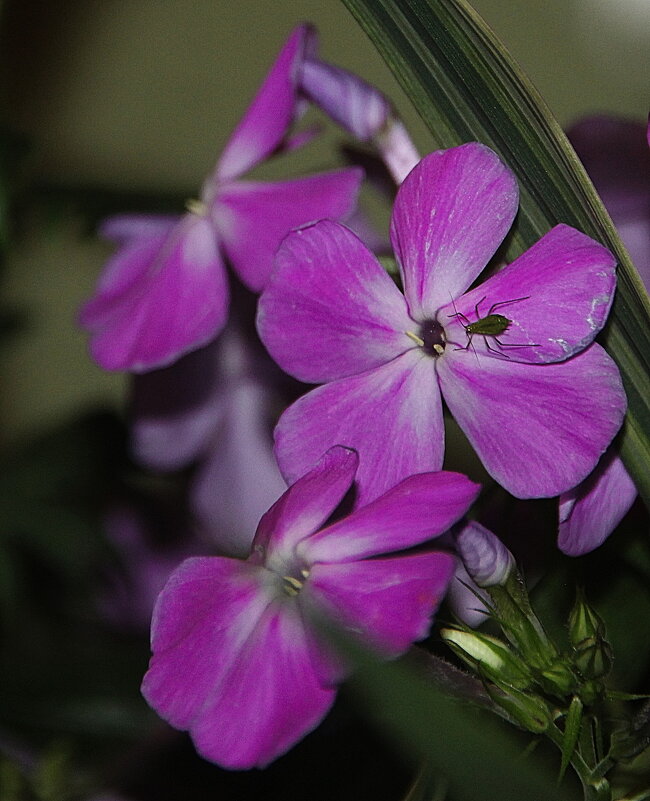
{"x": 158, "y": 299}
{"x": 389, "y": 602}
{"x": 268, "y": 117}
{"x": 271, "y": 699}
{"x": 391, "y": 415}
{"x": 202, "y": 620}
{"x": 330, "y": 310}
{"x": 538, "y": 429}
{"x": 590, "y": 512}
{"x": 417, "y": 509}
{"x": 556, "y": 296}
{"x": 305, "y": 506}
{"x": 450, "y": 215}
{"x": 253, "y": 217}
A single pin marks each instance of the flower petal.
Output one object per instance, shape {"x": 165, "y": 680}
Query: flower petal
{"x": 121, "y": 228}
{"x": 556, "y": 296}
{"x": 538, "y": 429}
{"x": 254, "y": 217}
{"x": 202, "y": 620}
{"x": 389, "y": 602}
{"x": 240, "y": 478}
{"x": 450, "y": 215}
{"x": 391, "y": 415}
{"x": 159, "y": 298}
{"x": 270, "y": 114}
{"x": 231, "y": 666}
{"x": 273, "y": 697}
{"x": 417, "y": 509}
{"x": 330, "y": 310}
{"x": 175, "y": 411}
{"x": 590, "y": 512}
{"x": 305, "y": 506}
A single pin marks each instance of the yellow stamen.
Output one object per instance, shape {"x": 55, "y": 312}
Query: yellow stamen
{"x": 415, "y": 338}
{"x": 196, "y": 207}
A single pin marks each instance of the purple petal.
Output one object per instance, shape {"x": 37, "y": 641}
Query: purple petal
{"x": 273, "y": 697}
{"x": 176, "y": 410}
{"x": 486, "y": 558}
{"x": 202, "y": 621}
{"x": 417, "y": 509}
{"x": 240, "y": 478}
{"x": 231, "y": 667}
{"x": 268, "y": 117}
{"x": 450, "y": 215}
{"x": 389, "y": 602}
{"x": 538, "y": 429}
{"x": 397, "y": 150}
{"x": 556, "y": 296}
{"x": 590, "y": 512}
{"x": 330, "y": 310}
{"x": 253, "y": 217}
{"x": 355, "y": 105}
{"x": 391, "y": 415}
{"x": 124, "y": 227}
{"x": 306, "y": 505}
{"x": 158, "y": 299}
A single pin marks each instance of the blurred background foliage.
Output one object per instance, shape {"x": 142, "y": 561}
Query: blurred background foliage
{"x": 125, "y": 104}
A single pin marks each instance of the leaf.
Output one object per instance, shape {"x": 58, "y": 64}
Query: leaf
{"x": 466, "y": 86}
{"x": 572, "y": 726}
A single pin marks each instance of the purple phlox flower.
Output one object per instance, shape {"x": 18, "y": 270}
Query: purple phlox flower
{"x": 165, "y": 291}
{"x": 514, "y": 358}
{"x": 360, "y": 109}
{"x": 237, "y": 660}
{"x": 616, "y": 155}
{"x": 214, "y": 406}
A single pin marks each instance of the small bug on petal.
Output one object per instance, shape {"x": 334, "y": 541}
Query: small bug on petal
{"x": 492, "y": 325}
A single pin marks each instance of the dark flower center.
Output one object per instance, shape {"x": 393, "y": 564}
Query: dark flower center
{"x": 433, "y": 338}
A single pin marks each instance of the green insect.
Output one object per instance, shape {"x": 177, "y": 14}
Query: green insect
{"x": 492, "y": 325}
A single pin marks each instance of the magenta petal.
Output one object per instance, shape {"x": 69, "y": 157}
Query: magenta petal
{"x": 357, "y": 106}
{"x": 450, "y": 215}
{"x": 417, "y": 509}
{"x": 158, "y": 299}
{"x": 268, "y": 117}
{"x": 306, "y": 505}
{"x": 253, "y": 217}
{"x": 391, "y": 415}
{"x": 330, "y": 309}
{"x": 271, "y": 699}
{"x": 538, "y": 429}
{"x": 122, "y": 228}
{"x": 389, "y": 602}
{"x": 202, "y": 621}
{"x": 590, "y": 512}
{"x": 567, "y": 281}
{"x": 239, "y": 479}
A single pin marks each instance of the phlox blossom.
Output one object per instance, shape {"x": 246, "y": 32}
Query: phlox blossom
{"x": 237, "y": 659}
{"x": 165, "y": 291}
{"x": 513, "y": 357}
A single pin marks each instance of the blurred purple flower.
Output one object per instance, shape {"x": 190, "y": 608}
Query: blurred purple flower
{"x": 616, "y": 154}
{"x": 214, "y": 407}
{"x": 165, "y": 291}
{"x": 538, "y": 400}
{"x": 236, "y": 658}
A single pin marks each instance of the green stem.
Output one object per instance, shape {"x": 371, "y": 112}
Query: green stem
{"x": 594, "y": 788}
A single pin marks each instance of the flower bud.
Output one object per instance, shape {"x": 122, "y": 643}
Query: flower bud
{"x": 593, "y": 654}
{"x": 486, "y": 558}
{"x": 529, "y": 711}
{"x": 490, "y": 655}
{"x": 558, "y": 679}
{"x": 584, "y": 623}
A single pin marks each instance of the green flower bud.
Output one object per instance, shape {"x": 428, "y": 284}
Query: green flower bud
{"x": 559, "y": 679}
{"x": 491, "y": 656}
{"x": 584, "y": 622}
{"x": 529, "y": 711}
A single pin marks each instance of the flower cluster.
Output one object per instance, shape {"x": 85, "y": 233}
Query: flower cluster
{"x": 239, "y": 658}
